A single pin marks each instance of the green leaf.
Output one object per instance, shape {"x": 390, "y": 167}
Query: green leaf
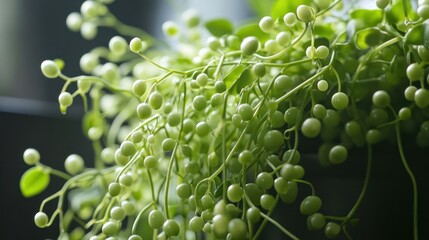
{"x": 418, "y": 35}
{"x": 281, "y": 7}
{"x": 252, "y": 30}
{"x": 370, "y": 17}
{"x": 219, "y": 27}
{"x": 367, "y": 37}
{"x": 261, "y": 7}
{"x": 34, "y": 181}
{"x": 396, "y": 14}
{"x": 243, "y": 81}
{"x": 233, "y": 75}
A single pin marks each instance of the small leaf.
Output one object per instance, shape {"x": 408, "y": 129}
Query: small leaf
{"x": 34, "y": 181}
{"x": 252, "y": 30}
{"x": 370, "y": 17}
{"x": 233, "y": 75}
{"x": 396, "y": 16}
{"x": 281, "y": 7}
{"x": 367, "y": 37}
{"x": 243, "y": 81}
{"x": 418, "y": 35}
{"x": 219, "y": 27}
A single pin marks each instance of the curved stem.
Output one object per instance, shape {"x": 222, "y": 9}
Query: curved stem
{"x": 413, "y": 182}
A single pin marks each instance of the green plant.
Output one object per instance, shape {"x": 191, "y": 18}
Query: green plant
{"x": 204, "y": 137}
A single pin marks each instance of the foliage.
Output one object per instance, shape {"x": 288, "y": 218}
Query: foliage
{"x": 206, "y": 137}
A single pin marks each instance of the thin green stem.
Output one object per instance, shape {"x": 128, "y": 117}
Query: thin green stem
{"x": 413, "y": 182}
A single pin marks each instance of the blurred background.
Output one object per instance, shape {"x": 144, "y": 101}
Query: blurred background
{"x": 32, "y": 31}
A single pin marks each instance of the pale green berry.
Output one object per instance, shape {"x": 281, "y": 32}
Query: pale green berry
{"x": 290, "y": 19}
{"x": 191, "y": 18}
{"x": 50, "y": 69}
{"x": 41, "y": 219}
{"x": 305, "y": 13}
{"x": 74, "y": 21}
{"x": 65, "y": 99}
{"x": 118, "y": 45}
{"x": 136, "y": 45}
{"x": 322, "y": 52}
{"x": 74, "y": 164}
{"x": 266, "y": 24}
{"x": 88, "y": 30}
{"x": 249, "y": 45}
{"x": 31, "y": 156}
{"x": 170, "y": 28}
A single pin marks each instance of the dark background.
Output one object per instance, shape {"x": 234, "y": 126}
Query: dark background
{"x": 29, "y": 117}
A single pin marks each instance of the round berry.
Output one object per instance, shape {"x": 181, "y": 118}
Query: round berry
{"x": 31, "y": 156}
{"x": 381, "y": 98}
{"x": 245, "y": 157}
{"x": 305, "y": 13}
{"x": 311, "y": 127}
{"x": 220, "y": 225}
{"x": 171, "y": 228}
{"x": 264, "y": 180}
{"x": 290, "y": 19}
{"x": 332, "y": 230}
{"x": 259, "y": 69}
{"x": 139, "y": 87}
{"x": 322, "y": 85}
{"x": 410, "y": 92}
{"x": 404, "y": 113}
{"x": 283, "y": 38}
{"x": 114, "y": 189}
{"x": 196, "y": 224}
{"x": 310, "y": 205}
{"x": 156, "y": 219}
{"x": 421, "y": 97}
{"x": 266, "y": 24}
{"x": 41, "y": 219}
{"x": 118, "y": 45}
{"x": 167, "y": 144}
{"x": 273, "y": 140}
{"x": 237, "y": 229}
{"x": 338, "y": 154}
{"x": 340, "y": 100}
{"x": 249, "y": 45}
{"x": 128, "y": 148}
{"x": 117, "y": 213}
{"x": 245, "y": 111}
{"x": 191, "y": 18}
{"x": 74, "y": 164}
{"x": 184, "y": 190}
{"x": 155, "y": 100}
{"x": 65, "y": 99}
{"x": 144, "y": 111}
{"x": 50, "y": 69}
{"x": 317, "y": 221}
{"x": 110, "y": 228}
{"x": 170, "y": 28}
{"x": 415, "y": 72}
{"x": 322, "y": 52}
{"x": 382, "y": 4}
{"x": 268, "y": 202}
{"x": 234, "y": 193}
{"x": 199, "y": 103}
{"x": 136, "y": 45}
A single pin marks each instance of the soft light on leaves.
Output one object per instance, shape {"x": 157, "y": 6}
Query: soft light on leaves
{"x": 243, "y": 81}
{"x": 34, "y": 181}
{"x": 252, "y": 30}
{"x": 370, "y": 17}
{"x": 219, "y": 27}
{"x": 281, "y": 7}
{"x": 395, "y": 15}
{"x": 367, "y": 37}
{"x": 418, "y": 35}
{"x": 233, "y": 75}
